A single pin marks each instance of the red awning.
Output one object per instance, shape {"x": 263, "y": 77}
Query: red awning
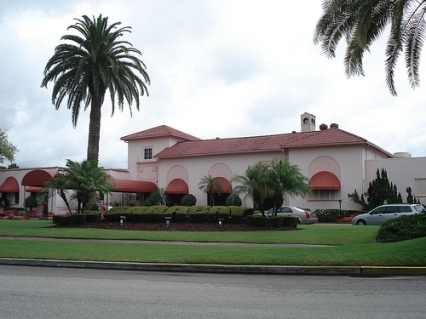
{"x": 226, "y": 185}
{"x": 36, "y": 189}
{"x": 324, "y": 180}
{"x": 132, "y": 186}
{"x": 177, "y": 186}
{"x": 10, "y": 185}
{"x": 37, "y": 177}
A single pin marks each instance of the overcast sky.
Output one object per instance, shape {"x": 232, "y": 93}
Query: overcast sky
{"x": 219, "y": 68}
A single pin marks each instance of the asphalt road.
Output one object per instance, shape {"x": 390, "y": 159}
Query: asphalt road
{"x": 45, "y": 292}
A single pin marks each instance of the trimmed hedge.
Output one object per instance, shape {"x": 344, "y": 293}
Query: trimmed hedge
{"x": 273, "y": 222}
{"x": 403, "y": 228}
{"x": 113, "y": 215}
{"x": 78, "y": 219}
{"x": 92, "y": 216}
{"x": 61, "y": 220}
{"x": 237, "y": 214}
{"x": 198, "y": 214}
{"x": 178, "y": 213}
{"x": 141, "y": 214}
{"x": 158, "y": 212}
{"x": 216, "y": 212}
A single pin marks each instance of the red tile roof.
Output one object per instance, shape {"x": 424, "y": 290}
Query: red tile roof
{"x": 159, "y": 131}
{"x": 269, "y": 143}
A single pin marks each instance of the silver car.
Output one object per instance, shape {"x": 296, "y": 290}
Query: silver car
{"x": 304, "y": 216}
{"x": 383, "y": 213}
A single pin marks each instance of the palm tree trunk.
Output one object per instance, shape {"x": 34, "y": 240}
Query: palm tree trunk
{"x": 94, "y": 129}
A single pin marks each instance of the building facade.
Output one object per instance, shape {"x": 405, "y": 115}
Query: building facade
{"x": 335, "y": 162}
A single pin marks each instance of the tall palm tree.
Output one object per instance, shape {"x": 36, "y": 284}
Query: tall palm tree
{"x": 210, "y": 185}
{"x": 361, "y": 22}
{"x": 90, "y": 64}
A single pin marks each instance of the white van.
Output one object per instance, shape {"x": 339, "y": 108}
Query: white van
{"x": 385, "y": 212}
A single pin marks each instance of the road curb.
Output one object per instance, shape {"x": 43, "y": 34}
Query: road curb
{"x": 217, "y": 268}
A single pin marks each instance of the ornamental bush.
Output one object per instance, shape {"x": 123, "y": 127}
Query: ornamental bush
{"x": 403, "y": 228}
{"x": 61, "y": 220}
{"x": 233, "y": 200}
{"x": 188, "y": 200}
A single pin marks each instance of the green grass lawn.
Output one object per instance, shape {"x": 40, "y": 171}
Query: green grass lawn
{"x": 355, "y": 246}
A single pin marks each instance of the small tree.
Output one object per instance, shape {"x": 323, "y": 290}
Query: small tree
{"x": 380, "y": 190}
{"x": 210, "y": 185}
{"x": 86, "y": 180}
{"x": 7, "y": 149}
{"x": 157, "y": 197}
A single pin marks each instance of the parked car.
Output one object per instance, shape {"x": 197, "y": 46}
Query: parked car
{"x": 304, "y": 216}
{"x": 383, "y": 213}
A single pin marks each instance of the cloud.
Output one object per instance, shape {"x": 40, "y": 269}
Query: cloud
{"x": 216, "y": 71}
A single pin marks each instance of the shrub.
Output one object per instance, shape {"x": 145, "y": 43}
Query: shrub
{"x": 92, "y": 217}
{"x": 274, "y": 222}
{"x": 290, "y": 222}
{"x": 403, "y": 228}
{"x": 198, "y": 213}
{"x": 78, "y": 219}
{"x": 237, "y": 213}
{"x": 113, "y": 215}
{"x": 330, "y": 215}
{"x": 157, "y": 212}
{"x": 257, "y": 220}
{"x": 188, "y": 200}
{"x": 141, "y": 214}
{"x": 61, "y": 220}
{"x": 178, "y": 213}
{"x": 233, "y": 200}
{"x": 216, "y": 212}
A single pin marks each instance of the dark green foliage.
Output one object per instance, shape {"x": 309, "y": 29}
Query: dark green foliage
{"x": 112, "y": 216}
{"x": 330, "y": 215}
{"x": 233, "y": 200}
{"x": 379, "y": 191}
{"x": 290, "y": 222}
{"x": 274, "y": 222}
{"x": 61, "y": 220}
{"x": 188, "y": 200}
{"x": 216, "y": 212}
{"x": 92, "y": 216}
{"x": 238, "y": 214}
{"x": 198, "y": 213}
{"x": 141, "y": 214}
{"x": 31, "y": 202}
{"x": 155, "y": 198}
{"x": 158, "y": 212}
{"x": 178, "y": 213}
{"x": 118, "y": 209}
{"x": 257, "y": 220}
{"x": 78, "y": 219}
{"x": 403, "y": 228}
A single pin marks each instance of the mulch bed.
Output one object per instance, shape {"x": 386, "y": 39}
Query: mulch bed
{"x": 174, "y": 226}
